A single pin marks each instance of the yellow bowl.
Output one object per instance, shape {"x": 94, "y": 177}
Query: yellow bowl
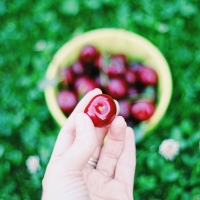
{"x": 115, "y": 41}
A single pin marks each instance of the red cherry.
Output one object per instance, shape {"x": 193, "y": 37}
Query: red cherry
{"x": 67, "y": 100}
{"x": 84, "y": 84}
{"x": 101, "y": 109}
{"x": 147, "y": 76}
{"x": 142, "y": 110}
{"x": 131, "y": 77}
{"x": 125, "y": 109}
{"x": 77, "y": 68}
{"x": 99, "y": 61}
{"x": 116, "y": 66}
{"x": 88, "y": 54}
{"x": 121, "y": 57}
{"x": 117, "y": 88}
{"x": 66, "y": 76}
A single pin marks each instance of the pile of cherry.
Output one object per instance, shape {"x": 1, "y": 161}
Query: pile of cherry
{"x": 131, "y": 83}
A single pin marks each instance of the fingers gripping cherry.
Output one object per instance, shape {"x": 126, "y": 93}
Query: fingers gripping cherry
{"x": 102, "y": 110}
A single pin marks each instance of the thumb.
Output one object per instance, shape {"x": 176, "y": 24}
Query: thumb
{"x": 84, "y": 145}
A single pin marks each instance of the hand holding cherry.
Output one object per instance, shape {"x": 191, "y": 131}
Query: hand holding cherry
{"x": 68, "y": 174}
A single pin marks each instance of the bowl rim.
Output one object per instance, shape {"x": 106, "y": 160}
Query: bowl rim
{"x": 145, "y": 127}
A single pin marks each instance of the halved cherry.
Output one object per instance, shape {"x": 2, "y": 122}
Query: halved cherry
{"x": 101, "y": 109}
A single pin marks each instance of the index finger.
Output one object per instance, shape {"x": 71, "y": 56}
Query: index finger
{"x": 67, "y": 134}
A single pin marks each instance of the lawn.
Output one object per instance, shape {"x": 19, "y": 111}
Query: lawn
{"x": 30, "y": 34}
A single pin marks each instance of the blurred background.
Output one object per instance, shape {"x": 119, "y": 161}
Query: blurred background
{"x": 30, "y": 34}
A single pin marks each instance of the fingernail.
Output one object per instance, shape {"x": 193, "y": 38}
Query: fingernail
{"x": 97, "y": 89}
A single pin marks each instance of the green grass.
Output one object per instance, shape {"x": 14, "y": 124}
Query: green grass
{"x": 26, "y": 126}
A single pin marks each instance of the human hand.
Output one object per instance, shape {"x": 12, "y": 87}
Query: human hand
{"x": 69, "y": 176}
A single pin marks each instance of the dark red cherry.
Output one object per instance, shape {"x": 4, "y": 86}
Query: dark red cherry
{"x": 117, "y": 88}
{"x": 84, "y": 84}
{"x": 66, "y": 76}
{"x": 101, "y": 109}
{"x": 131, "y": 77}
{"x": 147, "y": 75}
{"x": 67, "y": 100}
{"x": 77, "y": 68}
{"x": 99, "y": 61}
{"x": 120, "y": 57}
{"x": 116, "y": 66}
{"x": 142, "y": 110}
{"x": 88, "y": 54}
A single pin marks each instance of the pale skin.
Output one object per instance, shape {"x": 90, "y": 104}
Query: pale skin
{"x": 69, "y": 176}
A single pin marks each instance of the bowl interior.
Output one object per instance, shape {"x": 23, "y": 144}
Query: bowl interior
{"x": 115, "y": 41}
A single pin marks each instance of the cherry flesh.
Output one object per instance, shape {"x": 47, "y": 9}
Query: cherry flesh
{"x": 101, "y": 109}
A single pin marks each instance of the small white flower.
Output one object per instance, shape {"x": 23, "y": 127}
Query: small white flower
{"x": 162, "y": 28}
{"x": 40, "y": 45}
{"x": 45, "y": 83}
{"x": 169, "y": 148}
{"x": 33, "y": 164}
